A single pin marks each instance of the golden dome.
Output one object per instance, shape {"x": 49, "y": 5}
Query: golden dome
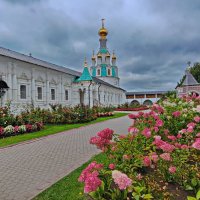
{"x": 103, "y": 31}
{"x": 114, "y": 56}
{"x": 99, "y": 55}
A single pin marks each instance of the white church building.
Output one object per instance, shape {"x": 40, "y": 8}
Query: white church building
{"x": 40, "y": 83}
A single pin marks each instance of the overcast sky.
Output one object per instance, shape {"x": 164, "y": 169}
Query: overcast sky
{"x": 153, "y": 39}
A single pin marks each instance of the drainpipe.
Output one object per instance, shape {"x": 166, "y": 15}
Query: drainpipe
{"x": 99, "y": 93}
{"x": 89, "y": 91}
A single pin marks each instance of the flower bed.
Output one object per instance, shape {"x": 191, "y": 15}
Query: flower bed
{"x": 32, "y": 119}
{"x": 106, "y": 114}
{"x": 132, "y": 109}
{"x": 158, "y": 159}
{"x": 16, "y": 130}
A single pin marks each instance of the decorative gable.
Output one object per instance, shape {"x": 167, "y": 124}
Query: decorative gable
{"x": 53, "y": 81}
{"x": 40, "y": 79}
{"x": 23, "y": 76}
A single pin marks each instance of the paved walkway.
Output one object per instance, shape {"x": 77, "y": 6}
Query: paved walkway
{"x": 29, "y": 168}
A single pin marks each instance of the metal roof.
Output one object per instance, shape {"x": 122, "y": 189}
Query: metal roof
{"x": 189, "y": 79}
{"x": 36, "y": 61}
{"x": 32, "y": 60}
{"x": 85, "y": 76}
{"x": 147, "y": 92}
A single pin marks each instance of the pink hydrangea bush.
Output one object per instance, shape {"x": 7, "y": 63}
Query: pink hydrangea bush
{"x": 164, "y": 140}
{"x": 90, "y": 177}
{"x": 121, "y": 180}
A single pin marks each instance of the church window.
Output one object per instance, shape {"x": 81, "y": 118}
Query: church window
{"x": 98, "y": 72}
{"x": 39, "y": 93}
{"x": 53, "y": 94}
{"x": 66, "y": 95}
{"x": 109, "y": 72}
{"x": 23, "y": 91}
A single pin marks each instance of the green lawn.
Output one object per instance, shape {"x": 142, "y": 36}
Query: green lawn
{"x": 68, "y": 188}
{"x": 51, "y": 129}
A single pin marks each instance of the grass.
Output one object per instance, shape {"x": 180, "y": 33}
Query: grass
{"x": 68, "y": 188}
{"x": 51, "y": 129}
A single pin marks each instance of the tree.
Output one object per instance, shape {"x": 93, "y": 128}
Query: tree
{"x": 195, "y": 71}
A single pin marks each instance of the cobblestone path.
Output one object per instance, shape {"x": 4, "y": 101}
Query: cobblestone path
{"x": 29, "y": 168}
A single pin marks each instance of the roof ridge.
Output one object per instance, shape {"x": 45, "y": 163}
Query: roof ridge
{"x": 34, "y": 58}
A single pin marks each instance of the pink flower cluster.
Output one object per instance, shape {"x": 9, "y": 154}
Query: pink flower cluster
{"x": 1, "y": 130}
{"x": 160, "y": 144}
{"x": 167, "y": 147}
{"x": 190, "y": 127}
{"x": 121, "y": 179}
{"x": 133, "y": 116}
{"x": 159, "y": 123}
{"x": 157, "y": 108}
{"x": 103, "y": 139}
{"x": 166, "y": 156}
{"x": 172, "y": 169}
{"x": 196, "y": 144}
{"x": 90, "y": 177}
{"x": 147, "y": 160}
{"x": 172, "y": 137}
{"x": 133, "y": 130}
{"x": 176, "y": 113}
{"x": 197, "y": 119}
{"x": 146, "y": 132}
{"x": 111, "y": 166}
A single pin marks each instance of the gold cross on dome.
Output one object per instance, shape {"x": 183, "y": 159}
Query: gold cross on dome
{"x": 102, "y": 22}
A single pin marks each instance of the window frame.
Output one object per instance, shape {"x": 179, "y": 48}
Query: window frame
{"x": 20, "y": 91}
{"x": 40, "y": 99}
{"x": 66, "y": 95}
{"x": 53, "y": 99}
{"x": 98, "y": 72}
{"x": 109, "y": 72}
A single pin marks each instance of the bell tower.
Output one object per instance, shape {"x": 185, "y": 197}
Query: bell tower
{"x": 103, "y": 67}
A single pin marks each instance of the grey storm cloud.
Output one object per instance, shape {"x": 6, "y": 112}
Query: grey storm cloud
{"x": 152, "y": 39}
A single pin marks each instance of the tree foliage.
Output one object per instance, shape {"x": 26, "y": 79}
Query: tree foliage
{"x": 195, "y": 71}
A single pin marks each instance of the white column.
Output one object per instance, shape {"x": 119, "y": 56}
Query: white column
{"x": 91, "y": 97}
{"x": 14, "y": 86}
{"x": 9, "y": 81}
{"x": 60, "y": 96}
{"x": 47, "y": 89}
{"x": 33, "y": 87}
{"x": 10, "y": 86}
{"x": 47, "y": 92}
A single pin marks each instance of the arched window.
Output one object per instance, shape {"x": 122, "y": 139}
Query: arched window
{"x": 109, "y": 72}
{"x": 98, "y": 72}
{"x": 147, "y": 102}
{"x": 193, "y": 93}
{"x": 135, "y": 103}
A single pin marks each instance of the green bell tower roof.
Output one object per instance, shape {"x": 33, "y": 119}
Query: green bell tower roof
{"x": 85, "y": 76}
